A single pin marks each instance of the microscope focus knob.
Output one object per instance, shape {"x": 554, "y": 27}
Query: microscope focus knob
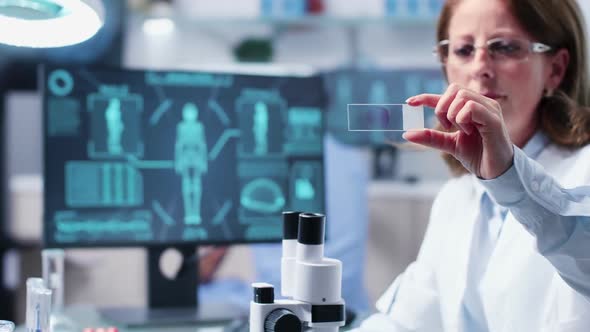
{"x": 282, "y": 320}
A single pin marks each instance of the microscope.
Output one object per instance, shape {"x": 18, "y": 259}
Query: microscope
{"x": 311, "y": 283}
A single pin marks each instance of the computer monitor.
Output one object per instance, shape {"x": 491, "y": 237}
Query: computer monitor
{"x": 170, "y": 158}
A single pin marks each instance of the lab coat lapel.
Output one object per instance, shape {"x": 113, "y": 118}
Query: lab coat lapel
{"x": 507, "y": 287}
{"x": 460, "y": 244}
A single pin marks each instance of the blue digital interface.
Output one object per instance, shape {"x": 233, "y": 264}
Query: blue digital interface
{"x": 158, "y": 157}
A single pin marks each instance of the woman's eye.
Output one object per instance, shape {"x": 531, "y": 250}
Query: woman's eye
{"x": 463, "y": 51}
{"x": 506, "y": 48}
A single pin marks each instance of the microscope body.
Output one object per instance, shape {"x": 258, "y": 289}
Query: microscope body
{"x": 312, "y": 282}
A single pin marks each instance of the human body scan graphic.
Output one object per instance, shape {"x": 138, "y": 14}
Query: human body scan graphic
{"x": 115, "y": 126}
{"x": 303, "y": 185}
{"x": 260, "y": 128}
{"x": 143, "y": 157}
{"x": 191, "y": 161}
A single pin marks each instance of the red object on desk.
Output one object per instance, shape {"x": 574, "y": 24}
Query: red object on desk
{"x": 101, "y": 329}
{"x": 315, "y": 6}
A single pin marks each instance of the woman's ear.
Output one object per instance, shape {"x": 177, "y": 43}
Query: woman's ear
{"x": 559, "y": 63}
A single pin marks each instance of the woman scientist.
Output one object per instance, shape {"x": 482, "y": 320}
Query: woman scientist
{"x": 508, "y": 243}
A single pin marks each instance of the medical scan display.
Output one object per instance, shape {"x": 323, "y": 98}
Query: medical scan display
{"x": 154, "y": 157}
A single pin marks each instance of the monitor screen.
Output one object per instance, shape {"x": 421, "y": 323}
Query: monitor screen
{"x": 146, "y": 158}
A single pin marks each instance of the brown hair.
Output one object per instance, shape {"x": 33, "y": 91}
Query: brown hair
{"x": 565, "y": 115}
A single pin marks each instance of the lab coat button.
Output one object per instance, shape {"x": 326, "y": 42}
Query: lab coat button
{"x": 535, "y": 186}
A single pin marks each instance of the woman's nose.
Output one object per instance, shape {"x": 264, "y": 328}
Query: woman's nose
{"x": 482, "y": 64}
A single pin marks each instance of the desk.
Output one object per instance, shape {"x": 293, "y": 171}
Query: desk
{"x": 88, "y": 316}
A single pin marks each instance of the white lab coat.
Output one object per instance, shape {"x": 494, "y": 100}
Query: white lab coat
{"x": 521, "y": 290}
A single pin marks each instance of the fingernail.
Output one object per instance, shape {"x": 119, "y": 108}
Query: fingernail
{"x": 404, "y": 136}
{"x": 409, "y": 100}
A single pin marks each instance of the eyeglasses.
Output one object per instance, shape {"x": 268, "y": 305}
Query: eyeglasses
{"x": 499, "y": 49}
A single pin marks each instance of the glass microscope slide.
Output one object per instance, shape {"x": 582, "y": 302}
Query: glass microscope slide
{"x": 385, "y": 117}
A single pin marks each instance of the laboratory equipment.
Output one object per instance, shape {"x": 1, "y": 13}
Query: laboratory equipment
{"x": 311, "y": 282}
{"x": 283, "y": 8}
{"x": 53, "y": 278}
{"x": 6, "y": 326}
{"x": 177, "y": 159}
{"x": 418, "y": 9}
{"x": 38, "y": 304}
{"x": 53, "y": 275}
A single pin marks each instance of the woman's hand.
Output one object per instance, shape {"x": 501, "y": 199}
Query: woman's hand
{"x": 480, "y": 140}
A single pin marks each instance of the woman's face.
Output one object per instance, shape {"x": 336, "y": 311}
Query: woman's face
{"x": 516, "y": 84}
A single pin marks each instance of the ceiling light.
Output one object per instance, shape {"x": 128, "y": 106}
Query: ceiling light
{"x": 47, "y": 23}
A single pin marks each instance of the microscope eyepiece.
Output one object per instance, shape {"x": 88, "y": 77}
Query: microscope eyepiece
{"x": 263, "y": 293}
{"x": 311, "y": 283}
{"x": 290, "y": 225}
{"x": 311, "y": 228}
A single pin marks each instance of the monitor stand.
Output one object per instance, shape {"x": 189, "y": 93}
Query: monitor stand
{"x": 173, "y": 302}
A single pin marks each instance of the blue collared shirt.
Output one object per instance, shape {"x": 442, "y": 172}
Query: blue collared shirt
{"x": 559, "y": 218}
